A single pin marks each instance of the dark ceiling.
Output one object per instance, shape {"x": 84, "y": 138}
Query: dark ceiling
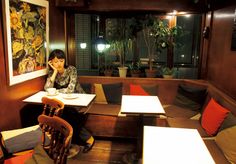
{"x": 142, "y": 6}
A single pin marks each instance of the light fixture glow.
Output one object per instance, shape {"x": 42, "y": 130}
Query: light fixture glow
{"x": 83, "y": 45}
{"x": 108, "y": 46}
{"x": 100, "y": 47}
{"x": 101, "y": 44}
{"x": 174, "y": 12}
{"x": 187, "y": 15}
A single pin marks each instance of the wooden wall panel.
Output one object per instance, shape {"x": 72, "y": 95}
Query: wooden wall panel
{"x": 12, "y": 96}
{"x": 221, "y": 60}
{"x": 56, "y": 27}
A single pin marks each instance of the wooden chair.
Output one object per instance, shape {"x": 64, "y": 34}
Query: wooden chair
{"x": 58, "y": 148}
{"x": 51, "y": 107}
{"x": 60, "y": 137}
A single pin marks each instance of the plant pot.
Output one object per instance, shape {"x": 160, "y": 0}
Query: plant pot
{"x": 135, "y": 73}
{"x": 151, "y": 73}
{"x": 168, "y": 76}
{"x": 108, "y": 72}
{"x": 122, "y": 71}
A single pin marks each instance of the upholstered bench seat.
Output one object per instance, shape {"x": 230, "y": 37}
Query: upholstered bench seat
{"x": 104, "y": 109}
{"x": 175, "y": 111}
{"x": 187, "y": 123}
{"x": 215, "y": 151}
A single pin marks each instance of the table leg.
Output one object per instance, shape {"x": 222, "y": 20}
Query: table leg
{"x": 140, "y": 137}
{"x": 136, "y": 156}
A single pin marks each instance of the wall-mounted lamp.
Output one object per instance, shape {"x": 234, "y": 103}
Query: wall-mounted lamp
{"x": 83, "y": 45}
{"x": 101, "y": 44}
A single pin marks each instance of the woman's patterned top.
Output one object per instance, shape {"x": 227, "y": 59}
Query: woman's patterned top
{"x": 66, "y": 82}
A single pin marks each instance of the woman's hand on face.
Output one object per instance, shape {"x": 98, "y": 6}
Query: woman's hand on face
{"x": 51, "y": 65}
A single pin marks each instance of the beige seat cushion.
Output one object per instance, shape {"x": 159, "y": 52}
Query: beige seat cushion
{"x": 216, "y": 153}
{"x": 176, "y": 111}
{"x": 187, "y": 123}
{"x": 226, "y": 140}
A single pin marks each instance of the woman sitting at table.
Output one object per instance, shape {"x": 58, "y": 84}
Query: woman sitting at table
{"x": 64, "y": 78}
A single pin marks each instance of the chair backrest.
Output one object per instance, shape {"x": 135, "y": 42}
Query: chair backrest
{"x": 52, "y": 107}
{"x": 60, "y": 137}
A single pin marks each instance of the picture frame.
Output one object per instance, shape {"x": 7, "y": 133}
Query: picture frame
{"x": 27, "y": 39}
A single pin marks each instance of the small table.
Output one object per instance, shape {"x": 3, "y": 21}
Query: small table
{"x": 141, "y": 105}
{"x": 166, "y": 145}
{"x": 77, "y": 100}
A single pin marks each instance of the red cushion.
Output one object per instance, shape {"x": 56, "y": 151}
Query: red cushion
{"x": 213, "y": 116}
{"x": 137, "y": 90}
{"x": 18, "y": 159}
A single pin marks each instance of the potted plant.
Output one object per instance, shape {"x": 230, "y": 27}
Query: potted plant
{"x": 135, "y": 69}
{"x": 159, "y": 35}
{"x": 108, "y": 70}
{"x": 117, "y": 48}
{"x": 149, "y": 40}
{"x": 120, "y": 42}
{"x": 168, "y": 73}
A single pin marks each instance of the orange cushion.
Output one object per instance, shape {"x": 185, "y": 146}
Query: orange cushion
{"x": 213, "y": 116}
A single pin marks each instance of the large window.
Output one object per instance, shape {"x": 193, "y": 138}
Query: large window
{"x": 89, "y": 62}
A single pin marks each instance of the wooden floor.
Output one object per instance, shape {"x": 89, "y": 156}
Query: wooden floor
{"x": 104, "y": 152}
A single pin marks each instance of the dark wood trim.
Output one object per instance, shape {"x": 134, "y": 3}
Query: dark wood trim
{"x": 70, "y": 41}
{"x": 134, "y": 5}
{"x": 205, "y": 43}
{"x": 63, "y": 3}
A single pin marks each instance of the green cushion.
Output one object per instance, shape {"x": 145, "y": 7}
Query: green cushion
{"x": 190, "y": 97}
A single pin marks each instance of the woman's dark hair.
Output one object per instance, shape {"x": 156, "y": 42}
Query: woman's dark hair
{"x": 58, "y": 54}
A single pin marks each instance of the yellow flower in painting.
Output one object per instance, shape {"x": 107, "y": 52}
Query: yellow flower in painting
{"x": 37, "y": 41}
{"x": 25, "y": 7}
{"x": 40, "y": 56}
{"x": 19, "y": 34}
{"x": 29, "y": 33}
{"x": 16, "y": 47}
{"x": 42, "y": 13}
{"x": 27, "y": 65}
{"x": 15, "y": 20}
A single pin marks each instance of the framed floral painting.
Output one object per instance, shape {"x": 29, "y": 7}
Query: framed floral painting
{"x": 27, "y": 39}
